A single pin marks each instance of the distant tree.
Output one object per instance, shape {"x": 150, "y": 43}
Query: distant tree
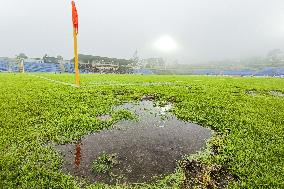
{"x": 22, "y": 56}
{"x": 59, "y": 57}
{"x": 274, "y": 56}
{"x": 135, "y": 58}
{"x": 155, "y": 63}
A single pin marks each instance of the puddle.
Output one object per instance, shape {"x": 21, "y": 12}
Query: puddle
{"x": 145, "y": 148}
{"x": 276, "y": 93}
{"x": 252, "y": 92}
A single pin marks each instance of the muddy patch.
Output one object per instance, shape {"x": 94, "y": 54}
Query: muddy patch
{"x": 199, "y": 175}
{"x": 144, "y": 148}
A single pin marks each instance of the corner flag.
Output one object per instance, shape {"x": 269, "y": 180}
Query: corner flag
{"x": 75, "y": 33}
{"x": 75, "y": 17}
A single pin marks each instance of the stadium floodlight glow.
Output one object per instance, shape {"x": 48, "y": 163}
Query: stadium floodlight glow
{"x": 165, "y": 44}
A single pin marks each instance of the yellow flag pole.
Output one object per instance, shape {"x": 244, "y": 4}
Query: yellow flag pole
{"x": 76, "y": 61}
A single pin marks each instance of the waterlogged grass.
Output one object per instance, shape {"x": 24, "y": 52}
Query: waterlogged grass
{"x": 35, "y": 113}
{"x": 104, "y": 163}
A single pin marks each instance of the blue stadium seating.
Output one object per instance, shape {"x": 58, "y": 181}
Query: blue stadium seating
{"x": 41, "y": 67}
{"x": 269, "y": 71}
{"x": 143, "y": 71}
{"x": 4, "y": 66}
{"x": 69, "y": 68}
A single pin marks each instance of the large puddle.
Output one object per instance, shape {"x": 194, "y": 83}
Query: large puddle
{"x": 144, "y": 148}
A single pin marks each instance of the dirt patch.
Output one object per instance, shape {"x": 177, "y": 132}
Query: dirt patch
{"x": 148, "y": 97}
{"x": 145, "y": 148}
{"x": 204, "y": 176}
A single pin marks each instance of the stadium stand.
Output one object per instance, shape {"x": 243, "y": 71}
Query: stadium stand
{"x": 41, "y": 67}
{"x": 270, "y": 71}
{"x": 4, "y": 66}
{"x": 69, "y": 68}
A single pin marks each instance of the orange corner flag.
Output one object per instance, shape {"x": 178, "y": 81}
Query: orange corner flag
{"x": 75, "y": 17}
{"x": 75, "y": 33}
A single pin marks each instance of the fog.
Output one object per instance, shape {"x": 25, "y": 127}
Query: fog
{"x": 199, "y": 30}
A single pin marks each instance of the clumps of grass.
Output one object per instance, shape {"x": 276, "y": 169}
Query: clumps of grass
{"x": 201, "y": 175}
{"x": 104, "y": 163}
{"x": 124, "y": 115}
{"x": 206, "y": 169}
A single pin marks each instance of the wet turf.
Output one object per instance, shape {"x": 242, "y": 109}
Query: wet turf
{"x": 35, "y": 113}
{"x": 147, "y": 147}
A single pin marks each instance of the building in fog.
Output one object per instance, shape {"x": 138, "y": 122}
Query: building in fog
{"x": 153, "y": 63}
{"x": 33, "y": 60}
{"x": 50, "y": 59}
{"x": 98, "y": 64}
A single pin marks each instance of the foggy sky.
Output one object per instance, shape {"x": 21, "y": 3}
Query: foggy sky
{"x": 202, "y": 29}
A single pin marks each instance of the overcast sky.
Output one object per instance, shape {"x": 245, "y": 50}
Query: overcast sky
{"x": 201, "y": 29}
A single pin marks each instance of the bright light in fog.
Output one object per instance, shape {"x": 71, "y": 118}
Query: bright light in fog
{"x": 165, "y": 43}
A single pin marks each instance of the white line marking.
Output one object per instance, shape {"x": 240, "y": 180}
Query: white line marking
{"x": 54, "y": 81}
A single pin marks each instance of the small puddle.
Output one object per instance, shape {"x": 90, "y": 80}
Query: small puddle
{"x": 276, "y": 93}
{"x": 145, "y": 148}
{"x": 252, "y": 92}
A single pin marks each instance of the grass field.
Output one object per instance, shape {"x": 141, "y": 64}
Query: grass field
{"x": 36, "y": 113}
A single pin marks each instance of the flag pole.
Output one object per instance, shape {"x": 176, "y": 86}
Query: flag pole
{"x": 76, "y": 61}
{"x": 75, "y": 33}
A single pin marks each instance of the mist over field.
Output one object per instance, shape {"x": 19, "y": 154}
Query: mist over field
{"x": 189, "y": 31}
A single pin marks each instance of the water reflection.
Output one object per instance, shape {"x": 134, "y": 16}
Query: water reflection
{"x": 78, "y": 154}
{"x": 145, "y": 148}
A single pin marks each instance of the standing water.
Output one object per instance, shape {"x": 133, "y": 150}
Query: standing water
{"x": 144, "y": 148}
